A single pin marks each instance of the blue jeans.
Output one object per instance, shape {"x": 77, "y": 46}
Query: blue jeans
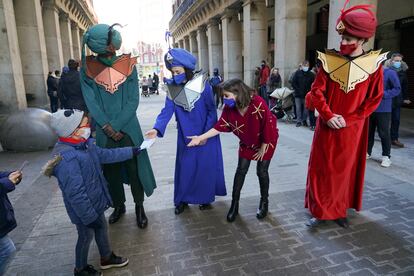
{"x": 6, "y": 251}
{"x": 395, "y": 123}
{"x": 85, "y": 236}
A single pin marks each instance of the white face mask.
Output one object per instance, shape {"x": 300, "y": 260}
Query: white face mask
{"x": 86, "y": 133}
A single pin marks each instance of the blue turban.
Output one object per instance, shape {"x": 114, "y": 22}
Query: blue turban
{"x": 180, "y": 57}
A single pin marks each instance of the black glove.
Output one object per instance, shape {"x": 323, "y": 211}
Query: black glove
{"x": 136, "y": 151}
{"x": 108, "y": 130}
{"x": 95, "y": 225}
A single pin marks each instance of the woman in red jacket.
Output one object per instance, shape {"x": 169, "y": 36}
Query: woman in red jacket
{"x": 249, "y": 118}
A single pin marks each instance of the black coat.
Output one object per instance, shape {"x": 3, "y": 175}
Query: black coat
{"x": 7, "y": 219}
{"x": 302, "y": 82}
{"x": 70, "y": 93}
{"x": 52, "y": 85}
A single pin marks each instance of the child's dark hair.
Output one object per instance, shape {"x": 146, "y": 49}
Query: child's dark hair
{"x": 240, "y": 89}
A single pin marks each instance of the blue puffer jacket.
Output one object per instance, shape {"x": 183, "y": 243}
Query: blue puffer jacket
{"x": 79, "y": 173}
{"x": 7, "y": 220}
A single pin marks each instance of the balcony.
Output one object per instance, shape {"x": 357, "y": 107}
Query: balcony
{"x": 185, "y": 5}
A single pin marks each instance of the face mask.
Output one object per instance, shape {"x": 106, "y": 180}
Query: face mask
{"x": 86, "y": 133}
{"x": 180, "y": 78}
{"x": 229, "y": 102}
{"x": 347, "y": 49}
{"x": 305, "y": 68}
{"x": 396, "y": 64}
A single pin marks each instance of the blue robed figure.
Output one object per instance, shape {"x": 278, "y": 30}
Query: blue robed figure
{"x": 199, "y": 174}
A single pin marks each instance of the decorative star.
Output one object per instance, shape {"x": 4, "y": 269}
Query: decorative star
{"x": 258, "y": 110}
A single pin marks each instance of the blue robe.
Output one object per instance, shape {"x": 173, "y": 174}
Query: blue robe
{"x": 199, "y": 174}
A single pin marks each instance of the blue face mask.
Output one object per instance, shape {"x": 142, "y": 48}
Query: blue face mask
{"x": 229, "y": 102}
{"x": 396, "y": 64}
{"x": 180, "y": 78}
{"x": 305, "y": 68}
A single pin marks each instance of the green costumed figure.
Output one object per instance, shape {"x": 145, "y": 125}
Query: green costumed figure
{"x": 110, "y": 88}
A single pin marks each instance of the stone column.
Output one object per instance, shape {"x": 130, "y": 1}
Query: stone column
{"x": 66, "y": 34}
{"x": 335, "y": 7}
{"x": 194, "y": 46}
{"x": 290, "y": 28}
{"x": 187, "y": 43}
{"x": 232, "y": 47}
{"x": 215, "y": 47}
{"x": 32, "y": 45}
{"x": 52, "y": 35}
{"x": 13, "y": 94}
{"x": 254, "y": 36}
{"x": 76, "y": 40}
{"x": 181, "y": 43}
{"x": 202, "y": 49}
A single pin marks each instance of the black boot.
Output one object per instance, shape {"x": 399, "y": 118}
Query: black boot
{"x": 117, "y": 214}
{"x": 205, "y": 206}
{"x": 263, "y": 208}
{"x": 142, "y": 220}
{"x": 343, "y": 222}
{"x": 234, "y": 211}
{"x": 180, "y": 208}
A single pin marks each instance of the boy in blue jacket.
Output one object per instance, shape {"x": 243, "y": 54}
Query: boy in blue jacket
{"x": 76, "y": 164}
{"x": 8, "y": 182}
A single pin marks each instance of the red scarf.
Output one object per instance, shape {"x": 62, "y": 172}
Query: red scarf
{"x": 71, "y": 140}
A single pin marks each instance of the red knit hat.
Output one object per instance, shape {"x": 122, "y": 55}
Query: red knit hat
{"x": 360, "y": 24}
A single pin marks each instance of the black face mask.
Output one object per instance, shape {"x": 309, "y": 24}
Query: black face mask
{"x": 263, "y": 65}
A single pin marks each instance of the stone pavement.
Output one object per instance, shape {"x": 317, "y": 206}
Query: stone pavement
{"x": 380, "y": 240}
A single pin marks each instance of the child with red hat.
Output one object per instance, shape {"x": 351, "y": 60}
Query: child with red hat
{"x": 345, "y": 92}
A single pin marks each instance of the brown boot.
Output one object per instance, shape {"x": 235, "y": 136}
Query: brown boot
{"x": 397, "y": 143}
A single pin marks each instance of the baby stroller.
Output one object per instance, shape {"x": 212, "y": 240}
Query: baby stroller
{"x": 145, "y": 92}
{"x": 283, "y": 109}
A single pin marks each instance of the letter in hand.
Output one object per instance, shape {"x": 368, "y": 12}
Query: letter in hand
{"x": 151, "y": 134}
{"x": 15, "y": 177}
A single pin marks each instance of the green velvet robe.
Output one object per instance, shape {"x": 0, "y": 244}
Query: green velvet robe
{"x": 120, "y": 111}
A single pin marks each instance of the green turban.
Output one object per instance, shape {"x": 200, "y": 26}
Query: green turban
{"x": 96, "y": 37}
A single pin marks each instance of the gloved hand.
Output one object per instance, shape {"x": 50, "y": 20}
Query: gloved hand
{"x": 95, "y": 225}
{"x": 136, "y": 151}
{"x": 108, "y": 130}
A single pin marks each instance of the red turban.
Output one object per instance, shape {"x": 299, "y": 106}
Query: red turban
{"x": 358, "y": 21}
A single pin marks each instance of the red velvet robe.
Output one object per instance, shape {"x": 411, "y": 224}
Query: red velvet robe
{"x": 257, "y": 126}
{"x": 337, "y": 160}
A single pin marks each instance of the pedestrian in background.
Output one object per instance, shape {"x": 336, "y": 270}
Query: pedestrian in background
{"x": 52, "y": 91}
{"x": 273, "y": 82}
{"x": 397, "y": 64}
{"x": 8, "y": 182}
{"x": 381, "y": 118}
{"x": 69, "y": 90}
{"x": 215, "y": 81}
{"x": 264, "y": 75}
{"x": 301, "y": 83}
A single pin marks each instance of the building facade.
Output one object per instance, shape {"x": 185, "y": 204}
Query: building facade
{"x": 235, "y": 35}
{"x": 37, "y": 36}
{"x": 150, "y": 59}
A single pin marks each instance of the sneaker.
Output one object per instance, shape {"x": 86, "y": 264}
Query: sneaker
{"x": 386, "y": 162}
{"x": 113, "y": 261}
{"x": 87, "y": 271}
{"x": 368, "y": 156}
{"x": 298, "y": 124}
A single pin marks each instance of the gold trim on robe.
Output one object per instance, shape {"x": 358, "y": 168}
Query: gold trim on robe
{"x": 110, "y": 77}
{"x": 348, "y": 73}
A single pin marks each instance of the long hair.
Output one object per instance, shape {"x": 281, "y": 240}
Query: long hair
{"x": 240, "y": 89}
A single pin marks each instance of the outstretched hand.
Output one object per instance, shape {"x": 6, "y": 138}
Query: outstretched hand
{"x": 151, "y": 134}
{"x": 16, "y": 177}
